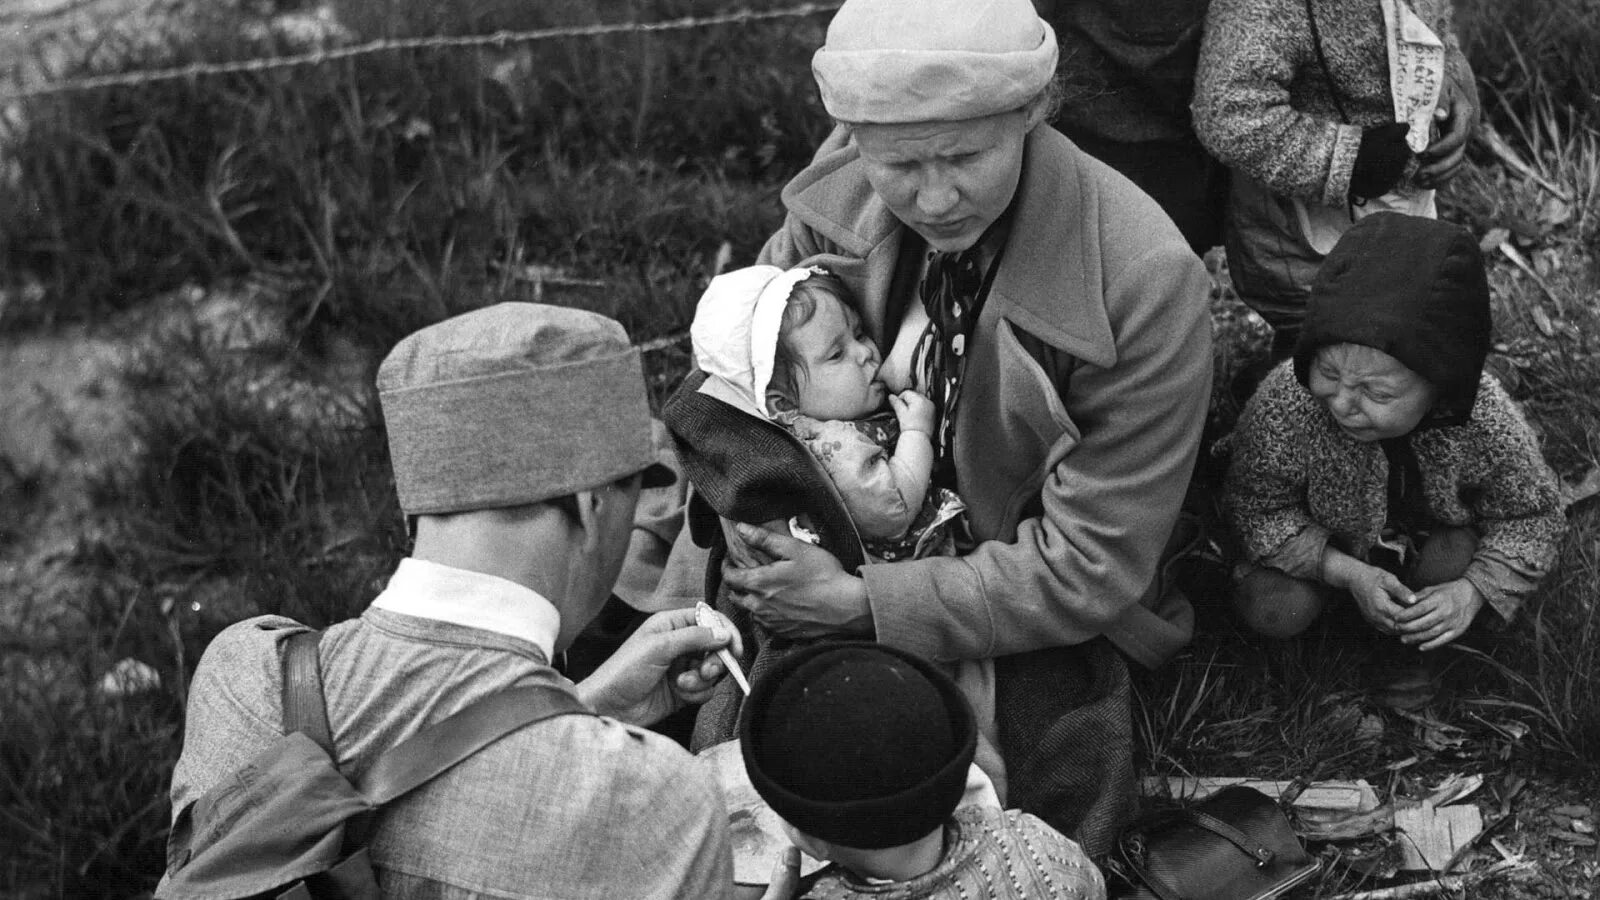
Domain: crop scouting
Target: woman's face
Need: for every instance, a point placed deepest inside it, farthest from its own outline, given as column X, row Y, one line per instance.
column 947, row 181
column 1371, row 395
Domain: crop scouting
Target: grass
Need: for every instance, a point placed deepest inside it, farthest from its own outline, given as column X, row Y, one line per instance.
column 413, row 184
column 261, row 240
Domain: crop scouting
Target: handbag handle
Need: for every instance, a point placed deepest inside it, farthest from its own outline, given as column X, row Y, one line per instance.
column 1263, row 856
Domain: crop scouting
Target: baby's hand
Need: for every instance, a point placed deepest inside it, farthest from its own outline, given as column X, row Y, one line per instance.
column 914, row 411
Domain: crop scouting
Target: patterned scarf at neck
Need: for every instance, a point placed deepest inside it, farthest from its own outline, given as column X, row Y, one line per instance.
column 950, row 293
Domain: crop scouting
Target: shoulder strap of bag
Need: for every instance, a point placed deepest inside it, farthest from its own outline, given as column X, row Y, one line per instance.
column 1322, row 58
column 425, row 755
column 304, row 708
column 432, row 751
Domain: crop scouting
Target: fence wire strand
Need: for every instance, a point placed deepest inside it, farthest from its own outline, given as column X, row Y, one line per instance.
column 323, row 56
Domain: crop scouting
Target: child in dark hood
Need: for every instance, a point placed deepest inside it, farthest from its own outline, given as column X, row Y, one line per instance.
column 1382, row 461
column 863, row 751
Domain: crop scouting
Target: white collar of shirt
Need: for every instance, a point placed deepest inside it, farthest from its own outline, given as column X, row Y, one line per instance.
column 430, row 590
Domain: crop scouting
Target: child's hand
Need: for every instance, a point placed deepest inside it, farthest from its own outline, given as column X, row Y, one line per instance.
column 1441, row 614
column 914, row 411
column 1379, row 595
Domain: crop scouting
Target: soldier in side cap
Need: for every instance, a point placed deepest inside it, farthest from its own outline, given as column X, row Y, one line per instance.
column 520, row 439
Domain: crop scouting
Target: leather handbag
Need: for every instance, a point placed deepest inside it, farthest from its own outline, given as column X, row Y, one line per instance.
column 1234, row 845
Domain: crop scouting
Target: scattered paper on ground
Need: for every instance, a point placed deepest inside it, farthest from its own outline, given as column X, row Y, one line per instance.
column 1430, row 835
column 755, row 832
column 1344, row 796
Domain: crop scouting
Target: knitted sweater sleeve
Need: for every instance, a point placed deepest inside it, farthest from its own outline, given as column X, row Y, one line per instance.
column 1515, row 501
column 1264, row 491
column 1252, row 52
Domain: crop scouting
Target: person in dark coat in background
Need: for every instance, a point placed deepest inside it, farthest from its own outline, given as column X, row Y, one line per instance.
column 1129, row 67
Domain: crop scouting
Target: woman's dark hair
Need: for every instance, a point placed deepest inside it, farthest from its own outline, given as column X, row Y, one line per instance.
column 786, row 367
column 1050, row 98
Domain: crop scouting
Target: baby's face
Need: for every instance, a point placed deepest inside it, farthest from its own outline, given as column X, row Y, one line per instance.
column 838, row 371
column 1371, row 395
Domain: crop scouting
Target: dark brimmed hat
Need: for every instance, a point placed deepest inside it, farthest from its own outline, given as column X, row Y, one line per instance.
column 1413, row 288
column 515, row 403
column 858, row 744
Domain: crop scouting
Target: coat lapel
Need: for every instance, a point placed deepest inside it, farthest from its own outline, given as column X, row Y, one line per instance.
column 1045, row 285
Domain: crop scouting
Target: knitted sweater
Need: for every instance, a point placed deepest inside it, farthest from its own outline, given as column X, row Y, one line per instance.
column 1296, row 481
column 988, row 853
column 1264, row 105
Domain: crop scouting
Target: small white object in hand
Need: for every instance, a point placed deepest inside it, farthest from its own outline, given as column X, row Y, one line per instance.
column 706, row 617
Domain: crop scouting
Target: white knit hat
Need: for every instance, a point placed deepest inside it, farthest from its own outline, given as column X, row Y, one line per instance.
column 735, row 332
column 514, row 403
column 888, row 61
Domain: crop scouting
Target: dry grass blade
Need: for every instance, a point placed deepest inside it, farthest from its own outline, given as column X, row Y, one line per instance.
column 1491, row 138
column 1449, row 884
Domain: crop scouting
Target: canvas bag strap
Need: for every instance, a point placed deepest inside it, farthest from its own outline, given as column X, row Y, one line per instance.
column 433, row 750
column 304, row 708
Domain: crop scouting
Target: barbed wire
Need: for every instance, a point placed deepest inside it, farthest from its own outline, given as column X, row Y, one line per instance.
column 389, row 45
column 25, row 18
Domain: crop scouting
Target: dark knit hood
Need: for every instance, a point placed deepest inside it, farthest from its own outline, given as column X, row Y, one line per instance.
column 1413, row 288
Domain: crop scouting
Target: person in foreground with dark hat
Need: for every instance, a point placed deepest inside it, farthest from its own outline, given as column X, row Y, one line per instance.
column 1382, row 462
column 523, row 499
column 863, row 751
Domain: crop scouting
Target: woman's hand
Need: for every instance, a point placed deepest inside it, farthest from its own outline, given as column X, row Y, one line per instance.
column 802, row 592
column 1378, row 593
column 667, row 663
column 1441, row 614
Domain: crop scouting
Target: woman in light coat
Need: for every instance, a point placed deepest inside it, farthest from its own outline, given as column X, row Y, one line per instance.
column 1072, row 371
